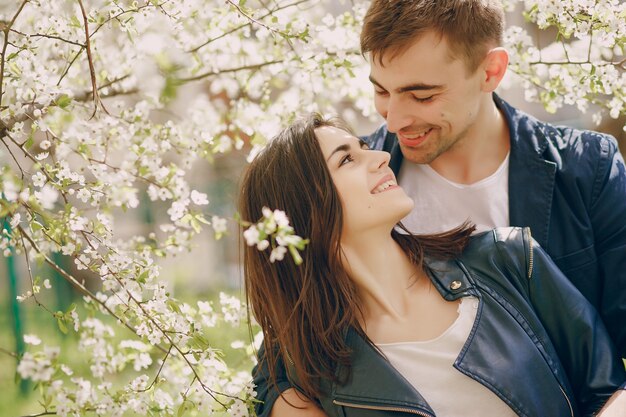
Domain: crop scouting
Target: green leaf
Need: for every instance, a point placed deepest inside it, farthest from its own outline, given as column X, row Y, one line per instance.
column 142, row 277
column 29, row 141
column 174, row 306
column 199, row 341
column 15, row 69
column 64, row 101
column 201, row 219
column 295, row 255
column 61, row 324
column 75, row 22
column 195, row 225
column 36, row 226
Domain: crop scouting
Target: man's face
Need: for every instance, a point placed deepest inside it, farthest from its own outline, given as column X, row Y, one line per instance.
column 429, row 99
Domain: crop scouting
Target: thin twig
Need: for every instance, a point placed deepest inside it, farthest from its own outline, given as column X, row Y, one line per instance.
column 6, row 29
column 8, row 352
column 41, row 35
column 32, row 281
column 13, row 156
column 257, row 21
column 224, row 71
column 67, row 69
column 156, row 377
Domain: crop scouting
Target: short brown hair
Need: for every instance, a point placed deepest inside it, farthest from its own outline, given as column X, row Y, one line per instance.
column 471, row 27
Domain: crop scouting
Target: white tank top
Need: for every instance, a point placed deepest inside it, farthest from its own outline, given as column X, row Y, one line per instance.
column 427, row 365
column 441, row 204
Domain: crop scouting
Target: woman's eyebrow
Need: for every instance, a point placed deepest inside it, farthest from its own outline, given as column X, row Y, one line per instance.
column 341, row 148
column 346, row 147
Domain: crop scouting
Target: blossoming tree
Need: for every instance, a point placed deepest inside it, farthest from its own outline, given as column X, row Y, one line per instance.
column 88, row 130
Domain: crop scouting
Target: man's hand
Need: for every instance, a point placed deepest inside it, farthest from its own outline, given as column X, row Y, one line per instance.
column 300, row 406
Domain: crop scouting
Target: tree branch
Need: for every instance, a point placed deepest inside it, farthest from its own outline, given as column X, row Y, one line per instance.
column 92, row 69
column 76, row 283
column 269, row 13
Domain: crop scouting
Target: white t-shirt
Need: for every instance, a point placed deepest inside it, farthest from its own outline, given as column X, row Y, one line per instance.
column 428, row 366
column 441, row 204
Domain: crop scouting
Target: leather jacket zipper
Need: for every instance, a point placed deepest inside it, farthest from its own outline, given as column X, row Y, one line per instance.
column 569, row 404
column 383, row 408
column 530, row 252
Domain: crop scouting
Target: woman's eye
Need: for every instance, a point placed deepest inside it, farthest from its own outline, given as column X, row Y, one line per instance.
column 380, row 92
column 346, row 159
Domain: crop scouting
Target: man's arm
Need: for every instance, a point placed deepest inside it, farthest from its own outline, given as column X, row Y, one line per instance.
column 608, row 217
column 575, row 328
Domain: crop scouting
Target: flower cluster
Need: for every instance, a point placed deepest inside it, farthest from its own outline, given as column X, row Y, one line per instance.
column 273, row 231
column 586, row 64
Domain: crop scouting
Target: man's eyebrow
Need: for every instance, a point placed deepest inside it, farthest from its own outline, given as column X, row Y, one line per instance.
column 410, row 87
column 345, row 148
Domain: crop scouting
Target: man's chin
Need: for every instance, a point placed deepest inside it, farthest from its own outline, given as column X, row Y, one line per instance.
column 417, row 155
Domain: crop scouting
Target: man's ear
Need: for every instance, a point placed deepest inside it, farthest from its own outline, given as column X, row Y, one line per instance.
column 494, row 67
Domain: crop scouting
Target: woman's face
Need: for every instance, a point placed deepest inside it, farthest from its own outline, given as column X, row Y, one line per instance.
column 370, row 196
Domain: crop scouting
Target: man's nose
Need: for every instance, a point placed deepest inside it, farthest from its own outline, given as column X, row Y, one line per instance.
column 398, row 116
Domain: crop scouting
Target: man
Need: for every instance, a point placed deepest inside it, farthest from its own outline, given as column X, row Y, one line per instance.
column 463, row 153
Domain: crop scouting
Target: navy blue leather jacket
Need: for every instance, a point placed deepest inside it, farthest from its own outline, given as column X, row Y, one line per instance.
column 569, row 187
column 536, row 342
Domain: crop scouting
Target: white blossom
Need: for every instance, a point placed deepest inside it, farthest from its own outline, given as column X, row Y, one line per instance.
column 32, row 339
column 198, row 198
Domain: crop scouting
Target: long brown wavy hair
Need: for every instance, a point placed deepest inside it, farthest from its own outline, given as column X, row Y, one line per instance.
column 305, row 310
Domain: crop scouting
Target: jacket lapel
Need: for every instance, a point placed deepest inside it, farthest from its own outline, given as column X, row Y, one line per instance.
column 374, row 381
column 531, row 177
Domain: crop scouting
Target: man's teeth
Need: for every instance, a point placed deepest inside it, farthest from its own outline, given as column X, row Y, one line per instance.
column 416, row 135
column 382, row 187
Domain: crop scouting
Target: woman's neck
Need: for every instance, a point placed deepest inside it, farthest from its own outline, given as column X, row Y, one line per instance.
column 382, row 272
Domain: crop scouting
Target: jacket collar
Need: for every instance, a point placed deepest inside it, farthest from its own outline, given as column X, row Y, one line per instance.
column 390, row 389
column 531, row 176
column 527, row 168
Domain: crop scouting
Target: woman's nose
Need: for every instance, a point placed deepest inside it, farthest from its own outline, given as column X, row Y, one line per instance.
column 380, row 159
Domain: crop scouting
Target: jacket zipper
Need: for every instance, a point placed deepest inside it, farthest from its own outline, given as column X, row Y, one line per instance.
column 530, row 273
column 382, row 408
column 530, row 253
column 571, row 411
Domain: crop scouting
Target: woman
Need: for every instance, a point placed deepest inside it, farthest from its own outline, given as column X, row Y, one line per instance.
column 379, row 323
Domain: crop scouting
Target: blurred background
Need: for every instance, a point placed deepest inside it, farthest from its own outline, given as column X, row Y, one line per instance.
column 213, row 265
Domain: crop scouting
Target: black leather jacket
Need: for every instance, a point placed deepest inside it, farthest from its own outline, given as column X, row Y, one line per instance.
column 537, row 343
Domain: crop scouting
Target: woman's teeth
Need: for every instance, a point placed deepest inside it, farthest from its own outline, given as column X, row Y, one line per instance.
column 382, row 187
